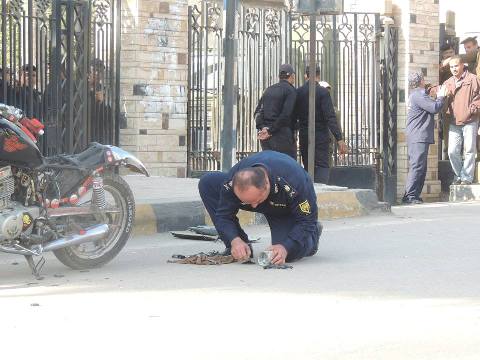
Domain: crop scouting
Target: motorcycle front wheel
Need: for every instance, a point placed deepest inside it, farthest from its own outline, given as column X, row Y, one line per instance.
column 95, row 254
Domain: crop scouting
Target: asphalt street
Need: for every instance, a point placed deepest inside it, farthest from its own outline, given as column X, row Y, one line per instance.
column 400, row 286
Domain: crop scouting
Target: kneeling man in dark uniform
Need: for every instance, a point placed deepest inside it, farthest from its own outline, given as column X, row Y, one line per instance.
column 275, row 185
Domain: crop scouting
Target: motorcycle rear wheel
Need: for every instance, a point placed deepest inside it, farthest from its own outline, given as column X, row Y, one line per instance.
column 92, row 255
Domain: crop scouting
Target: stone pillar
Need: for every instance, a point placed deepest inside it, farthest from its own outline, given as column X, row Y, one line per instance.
column 418, row 50
column 154, row 83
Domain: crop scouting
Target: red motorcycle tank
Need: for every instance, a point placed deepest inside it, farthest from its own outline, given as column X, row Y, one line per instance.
column 16, row 148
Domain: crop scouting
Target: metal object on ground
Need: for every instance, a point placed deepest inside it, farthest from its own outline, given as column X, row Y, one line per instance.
column 281, row 267
column 211, row 258
column 265, row 258
column 190, row 235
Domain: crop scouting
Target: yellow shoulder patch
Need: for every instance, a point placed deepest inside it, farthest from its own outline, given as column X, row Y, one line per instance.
column 305, row 207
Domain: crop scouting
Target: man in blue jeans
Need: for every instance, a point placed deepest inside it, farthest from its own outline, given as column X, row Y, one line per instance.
column 275, row 185
column 463, row 110
column 419, row 131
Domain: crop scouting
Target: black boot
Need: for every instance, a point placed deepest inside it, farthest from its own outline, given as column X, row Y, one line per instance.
column 317, row 239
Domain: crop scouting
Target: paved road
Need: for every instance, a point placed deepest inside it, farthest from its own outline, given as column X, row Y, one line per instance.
column 403, row 286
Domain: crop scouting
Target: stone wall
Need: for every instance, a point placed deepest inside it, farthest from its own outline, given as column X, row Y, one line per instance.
column 418, row 50
column 154, row 83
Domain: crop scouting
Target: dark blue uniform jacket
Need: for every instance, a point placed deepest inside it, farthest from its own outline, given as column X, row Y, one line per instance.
column 291, row 194
column 325, row 117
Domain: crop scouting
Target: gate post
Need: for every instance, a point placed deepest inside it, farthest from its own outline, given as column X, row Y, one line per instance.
column 228, row 132
column 389, row 113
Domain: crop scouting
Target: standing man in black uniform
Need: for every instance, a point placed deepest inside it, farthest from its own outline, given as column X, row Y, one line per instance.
column 275, row 185
column 325, row 121
column 273, row 115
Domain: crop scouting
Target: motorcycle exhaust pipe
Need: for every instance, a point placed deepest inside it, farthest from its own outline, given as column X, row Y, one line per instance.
column 94, row 233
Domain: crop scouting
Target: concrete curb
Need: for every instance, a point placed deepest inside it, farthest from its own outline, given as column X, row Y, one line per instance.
column 333, row 203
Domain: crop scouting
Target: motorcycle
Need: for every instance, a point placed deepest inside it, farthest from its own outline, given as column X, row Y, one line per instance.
column 76, row 206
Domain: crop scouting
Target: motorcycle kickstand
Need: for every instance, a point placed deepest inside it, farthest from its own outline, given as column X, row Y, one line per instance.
column 36, row 268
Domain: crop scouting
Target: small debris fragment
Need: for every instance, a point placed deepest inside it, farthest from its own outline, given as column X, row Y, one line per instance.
column 15, row 263
column 58, row 275
column 282, row 267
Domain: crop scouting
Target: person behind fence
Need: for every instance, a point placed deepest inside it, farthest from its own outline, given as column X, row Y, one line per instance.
column 28, row 89
column 101, row 111
column 275, row 185
column 463, row 109
column 325, row 123
column 420, row 134
column 6, row 88
column 273, row 114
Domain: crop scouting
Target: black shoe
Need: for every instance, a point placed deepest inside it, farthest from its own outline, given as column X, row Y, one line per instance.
column 466, row 182
column 456, row 182
column 412, row 201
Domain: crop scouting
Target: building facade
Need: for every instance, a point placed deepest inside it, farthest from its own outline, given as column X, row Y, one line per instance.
column 155, row 78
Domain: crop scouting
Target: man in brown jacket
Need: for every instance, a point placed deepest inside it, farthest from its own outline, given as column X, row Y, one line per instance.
column 464, row 112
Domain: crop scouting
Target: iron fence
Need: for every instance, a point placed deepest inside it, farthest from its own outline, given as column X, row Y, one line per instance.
column 347, row 52
column 60, row 63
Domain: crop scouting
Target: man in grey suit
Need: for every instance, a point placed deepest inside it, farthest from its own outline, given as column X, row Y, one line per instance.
column 419, row 131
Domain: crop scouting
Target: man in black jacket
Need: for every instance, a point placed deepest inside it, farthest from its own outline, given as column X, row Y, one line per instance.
column 273, row 115
column 325, row 122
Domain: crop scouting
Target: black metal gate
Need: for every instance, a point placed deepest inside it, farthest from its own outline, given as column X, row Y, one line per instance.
column 60, row 63
column 356, row 56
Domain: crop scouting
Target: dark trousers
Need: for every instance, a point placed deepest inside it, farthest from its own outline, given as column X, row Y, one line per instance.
column 322, row 155
column 280, row 225
column 417, row 159
column 281, row 141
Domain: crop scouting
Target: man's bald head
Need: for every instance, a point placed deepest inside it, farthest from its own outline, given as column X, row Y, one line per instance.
column 248, row 177
column 251, row 186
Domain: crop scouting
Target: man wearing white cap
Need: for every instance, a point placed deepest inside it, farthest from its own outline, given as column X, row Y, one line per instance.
column 325, row 123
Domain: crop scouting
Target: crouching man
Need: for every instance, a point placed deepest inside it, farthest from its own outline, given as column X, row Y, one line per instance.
column 275, row 185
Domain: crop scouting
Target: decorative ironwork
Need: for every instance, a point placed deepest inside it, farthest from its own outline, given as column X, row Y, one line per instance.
column 272, row 22
column 251, row 21
column 16, row 8
column 43, row 9
column 102, row 9
column 214, row 16
column 366, row 29
column 389, row 83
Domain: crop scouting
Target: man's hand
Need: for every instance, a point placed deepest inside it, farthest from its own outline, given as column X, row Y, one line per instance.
column 442, row 91
column 342, row 147
column 263, row 134
column 279, row 254
column 240, row 249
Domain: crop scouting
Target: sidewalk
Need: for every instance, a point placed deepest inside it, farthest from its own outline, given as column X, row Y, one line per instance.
column 164, row 204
